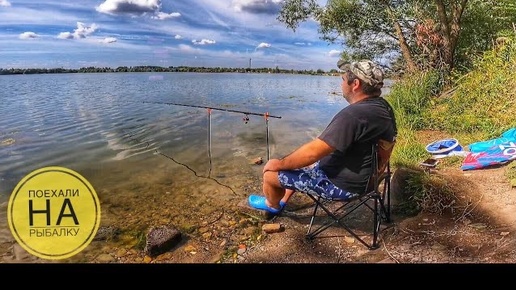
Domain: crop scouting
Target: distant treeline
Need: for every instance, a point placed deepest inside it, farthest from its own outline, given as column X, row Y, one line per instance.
column 157, row 69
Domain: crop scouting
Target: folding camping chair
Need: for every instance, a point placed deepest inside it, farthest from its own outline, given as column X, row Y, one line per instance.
column 376, row 199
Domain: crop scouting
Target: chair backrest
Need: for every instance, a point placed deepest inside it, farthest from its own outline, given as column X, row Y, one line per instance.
column 384, row 150
column 381, row 156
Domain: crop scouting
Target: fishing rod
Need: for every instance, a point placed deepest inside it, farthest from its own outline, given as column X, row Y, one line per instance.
column 246, row 119
column 212, row 108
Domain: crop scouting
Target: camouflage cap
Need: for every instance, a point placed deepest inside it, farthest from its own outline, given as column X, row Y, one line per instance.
column 365, row 70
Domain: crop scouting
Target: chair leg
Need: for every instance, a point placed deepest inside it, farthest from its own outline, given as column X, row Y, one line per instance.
column 387, row 198
column 318, row 205
column 312, row 219
column 378, row 208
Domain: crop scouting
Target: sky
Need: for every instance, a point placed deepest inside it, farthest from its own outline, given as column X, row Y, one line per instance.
column 198, row 33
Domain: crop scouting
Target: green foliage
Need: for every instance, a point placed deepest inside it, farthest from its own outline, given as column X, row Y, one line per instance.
column 484, row 100
column 364, row 28
column 407, row 150
column 141, row 240
column 452, row 161
column 409, row 207
column 294, row 12
column 480, row 29
column 368, row 33
column 415, row 185
column 411, row 98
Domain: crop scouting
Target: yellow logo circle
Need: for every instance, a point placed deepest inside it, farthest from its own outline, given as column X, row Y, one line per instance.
column 53, row 213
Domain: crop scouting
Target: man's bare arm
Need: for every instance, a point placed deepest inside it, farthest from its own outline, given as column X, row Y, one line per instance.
column 305, row 155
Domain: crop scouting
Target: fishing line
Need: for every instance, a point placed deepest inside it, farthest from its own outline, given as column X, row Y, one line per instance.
column 209, row 140
column 209, row 109
column 132, row 137
column 195, row 173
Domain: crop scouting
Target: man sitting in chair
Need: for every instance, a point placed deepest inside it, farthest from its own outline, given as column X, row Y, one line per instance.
column 337, row 164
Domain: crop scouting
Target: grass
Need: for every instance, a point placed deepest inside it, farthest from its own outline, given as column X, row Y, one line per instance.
column 484, row 99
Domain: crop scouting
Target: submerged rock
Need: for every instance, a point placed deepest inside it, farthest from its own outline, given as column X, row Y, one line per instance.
column 257, row 161
column 161, row 239
column 106, row 233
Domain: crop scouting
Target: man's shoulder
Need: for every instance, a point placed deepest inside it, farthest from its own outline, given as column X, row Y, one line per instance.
column 366, row 104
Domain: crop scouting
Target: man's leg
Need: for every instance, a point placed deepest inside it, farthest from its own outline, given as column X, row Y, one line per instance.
column 273, row 191
column 288, row 194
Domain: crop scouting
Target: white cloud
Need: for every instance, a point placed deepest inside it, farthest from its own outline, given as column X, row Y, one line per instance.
column 257, row 6
column 28, row 35
column 162, row 15
column 203, row 41
column 263, row 45
column 187, row 49
column 334, row 53
column 5, row 3
column 178, row 36
column 109, row 40
column 65, row 35
column 136, row 7
column 81, row 32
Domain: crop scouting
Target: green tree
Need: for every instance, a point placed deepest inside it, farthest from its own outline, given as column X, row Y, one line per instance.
column 483, row 22
column 410, row 34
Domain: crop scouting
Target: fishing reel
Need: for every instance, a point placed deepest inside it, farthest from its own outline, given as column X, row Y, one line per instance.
column 246, row 119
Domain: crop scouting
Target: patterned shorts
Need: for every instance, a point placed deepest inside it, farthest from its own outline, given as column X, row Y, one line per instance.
column 314, row 181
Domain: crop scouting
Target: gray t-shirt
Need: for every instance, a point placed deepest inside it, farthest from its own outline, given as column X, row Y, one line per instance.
column 352, row 132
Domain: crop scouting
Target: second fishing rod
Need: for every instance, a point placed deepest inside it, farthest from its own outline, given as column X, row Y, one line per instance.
column 266, row 116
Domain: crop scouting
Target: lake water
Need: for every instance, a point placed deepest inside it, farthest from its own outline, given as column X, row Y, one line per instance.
column 82, row 121
column 148, row 160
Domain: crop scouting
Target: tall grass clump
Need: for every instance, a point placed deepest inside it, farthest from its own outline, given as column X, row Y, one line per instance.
column 484, row 100
column 408, row 151
column 410, row 98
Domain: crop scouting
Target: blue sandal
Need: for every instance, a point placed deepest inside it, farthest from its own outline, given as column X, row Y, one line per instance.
column 258, row 202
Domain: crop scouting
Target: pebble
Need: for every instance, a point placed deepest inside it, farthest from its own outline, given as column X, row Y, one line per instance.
column 105, row 258
column 272, row 228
